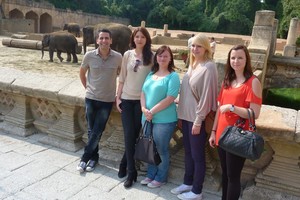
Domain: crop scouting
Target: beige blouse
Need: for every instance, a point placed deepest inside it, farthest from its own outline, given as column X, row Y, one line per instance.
column 133, row 81
column 203, row 83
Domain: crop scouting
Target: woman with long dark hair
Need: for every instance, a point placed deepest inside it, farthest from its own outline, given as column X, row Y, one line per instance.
column 136, row 65
column 240, row 91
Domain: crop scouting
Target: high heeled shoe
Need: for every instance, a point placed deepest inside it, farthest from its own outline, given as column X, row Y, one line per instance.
column 122, row 171
column 132, row 177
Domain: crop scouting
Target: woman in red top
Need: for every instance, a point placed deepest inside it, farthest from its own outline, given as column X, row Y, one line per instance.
column 240, row 90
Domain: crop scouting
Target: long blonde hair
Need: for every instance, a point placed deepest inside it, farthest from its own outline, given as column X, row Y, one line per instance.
column 202, row 40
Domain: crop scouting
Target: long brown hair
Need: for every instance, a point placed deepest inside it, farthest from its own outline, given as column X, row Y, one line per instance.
column 229, row 71
column 147, row 53
column 159, row 51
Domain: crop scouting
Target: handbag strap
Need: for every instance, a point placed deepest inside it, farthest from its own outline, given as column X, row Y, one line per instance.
column 252, row 125
column 144, row 128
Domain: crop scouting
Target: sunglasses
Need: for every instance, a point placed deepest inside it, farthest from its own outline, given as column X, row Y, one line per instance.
column 137, row 63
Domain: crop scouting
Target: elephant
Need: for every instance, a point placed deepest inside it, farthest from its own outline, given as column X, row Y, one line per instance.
column 60, row 41
column 120, row 36
column 73, row 28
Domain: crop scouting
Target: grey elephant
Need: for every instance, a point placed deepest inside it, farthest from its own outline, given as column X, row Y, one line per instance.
column 120, row 36
column 73, row 28
column 60, row 41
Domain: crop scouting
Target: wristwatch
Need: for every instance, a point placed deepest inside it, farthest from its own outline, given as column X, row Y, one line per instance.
column 231, row 108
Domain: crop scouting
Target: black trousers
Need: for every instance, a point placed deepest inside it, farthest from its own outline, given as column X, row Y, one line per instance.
column 131, row 120
column 232, row 166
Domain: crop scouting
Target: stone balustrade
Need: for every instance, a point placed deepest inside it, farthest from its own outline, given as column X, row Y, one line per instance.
column 39, row 104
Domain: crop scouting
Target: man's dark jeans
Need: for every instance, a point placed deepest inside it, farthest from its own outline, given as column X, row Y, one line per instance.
column 131, row 120
column 97, row 114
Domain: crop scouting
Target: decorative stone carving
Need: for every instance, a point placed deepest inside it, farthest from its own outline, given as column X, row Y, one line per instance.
column 19, row 120
column 7, row 103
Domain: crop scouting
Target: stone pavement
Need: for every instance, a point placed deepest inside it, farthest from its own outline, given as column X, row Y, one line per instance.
column 33, row 171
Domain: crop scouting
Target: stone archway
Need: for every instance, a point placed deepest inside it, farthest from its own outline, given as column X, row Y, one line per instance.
column 33, row 16
column 46, row 23
column 16, row 14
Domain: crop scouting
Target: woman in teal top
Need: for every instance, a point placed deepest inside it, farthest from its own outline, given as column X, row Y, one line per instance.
column 159, row 91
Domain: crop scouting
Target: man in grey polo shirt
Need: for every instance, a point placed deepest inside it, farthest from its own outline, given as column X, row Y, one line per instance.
column 98, row 73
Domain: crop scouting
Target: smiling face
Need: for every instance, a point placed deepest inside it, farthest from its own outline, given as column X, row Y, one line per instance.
column 198, row 50
column 104, row 40
column 140, row 39
column 238, row 60
column 164, row 59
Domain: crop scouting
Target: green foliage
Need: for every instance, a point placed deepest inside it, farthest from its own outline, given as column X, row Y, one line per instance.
column 298, row 42
column 182, row 52
column 284, row 97
column 225, row 16
column 291, row 9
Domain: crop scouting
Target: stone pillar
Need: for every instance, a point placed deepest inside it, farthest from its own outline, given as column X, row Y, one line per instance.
column 290, row 47
column 154, row 33
column 165, row 28
column 298, row 28
column 65, row 133
column 143, row 24
column 274, row 38
column 112, row 140
column 38, row 24
column 166, row 31
column 260, row 43
column 292, row 36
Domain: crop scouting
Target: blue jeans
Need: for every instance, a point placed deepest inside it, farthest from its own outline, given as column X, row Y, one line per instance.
column 131, row 120
column 194, row 160
column 162, row 134
column 97, row 113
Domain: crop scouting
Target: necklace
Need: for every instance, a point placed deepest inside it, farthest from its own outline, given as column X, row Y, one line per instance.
column 236, row 83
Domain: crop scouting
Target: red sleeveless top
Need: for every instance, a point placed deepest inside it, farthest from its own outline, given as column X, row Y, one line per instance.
column 241, row 96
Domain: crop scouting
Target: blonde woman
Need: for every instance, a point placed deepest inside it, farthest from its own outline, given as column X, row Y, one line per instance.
column 198, row 96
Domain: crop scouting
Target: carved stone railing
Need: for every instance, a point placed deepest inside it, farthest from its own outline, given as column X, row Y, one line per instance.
column 34, row 103
column 282, row 72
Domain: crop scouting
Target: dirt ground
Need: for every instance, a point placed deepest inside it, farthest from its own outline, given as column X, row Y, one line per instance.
column 30, row 60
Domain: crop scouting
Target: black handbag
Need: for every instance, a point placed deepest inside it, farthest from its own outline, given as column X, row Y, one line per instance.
column 145, row 148
column 244, row 143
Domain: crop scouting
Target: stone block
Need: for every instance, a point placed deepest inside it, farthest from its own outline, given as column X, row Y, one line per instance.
column 289, row 51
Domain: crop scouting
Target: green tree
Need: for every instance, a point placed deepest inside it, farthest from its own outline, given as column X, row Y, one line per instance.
column 225, row 16
column 291, row 9
column 236, row 16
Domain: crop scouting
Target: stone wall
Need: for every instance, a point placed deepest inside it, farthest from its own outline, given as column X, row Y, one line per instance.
column 17, row 25
column 35, row 103
column 282, row 72
column 47, row 18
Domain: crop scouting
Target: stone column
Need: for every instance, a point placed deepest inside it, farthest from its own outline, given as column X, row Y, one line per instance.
column 166, row 30
column 143, row 24
column 274, row 38
column 154, row 33
column 65, row 133
column 260, row 43
column 38, row 24
column 290, row 47
column 298, row 28
column 292, row 36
